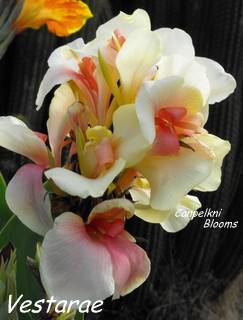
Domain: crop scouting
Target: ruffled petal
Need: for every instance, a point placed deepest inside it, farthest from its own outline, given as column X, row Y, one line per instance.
column 193, row 73
column 27, row 198
column 183, row 214
column 74, row 266
column 167, row 92
column 77, row 185
column 222, row 84
column 176, row 41
column 172, row 177
column 132, row 145
column 220, row 148
column 17, row 137
column 123, row 22
column 134, row 68
column 143, row 210
column 171, row 220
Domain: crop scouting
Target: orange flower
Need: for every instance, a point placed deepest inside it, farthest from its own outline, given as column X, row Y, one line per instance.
column 62, row 17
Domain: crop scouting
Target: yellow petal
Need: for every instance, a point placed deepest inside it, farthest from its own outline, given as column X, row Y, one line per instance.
column 98, row 133
column 63, row 17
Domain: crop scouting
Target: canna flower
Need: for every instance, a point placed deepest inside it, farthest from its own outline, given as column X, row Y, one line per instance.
column 102, row 153
column 115, row 47
column 170, row 89
column 80, row 260
column 62, row 17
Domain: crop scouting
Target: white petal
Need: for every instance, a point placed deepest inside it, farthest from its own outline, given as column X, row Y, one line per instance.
column 123, row 22
column 176, row 41
column 222, row 84
column 73, row 266
column 220, row 149
column 17, row 137
column 134, row 67
column 27, row 198
column 77, row 185
column 193, row 73
column 132, row 146
column 55, row 75
column 180, row 218
column 172, row 177
column 143, row 210
column 63, row 53
column 126, row 23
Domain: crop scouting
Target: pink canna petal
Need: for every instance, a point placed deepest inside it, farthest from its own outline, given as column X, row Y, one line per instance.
column 27, row 198
column 95, row 260
column 104, row 154
column 166, row 141
column 74, row 265
column 131, row 265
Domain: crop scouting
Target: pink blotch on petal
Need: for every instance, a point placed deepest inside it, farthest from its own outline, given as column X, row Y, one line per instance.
column 104, row 155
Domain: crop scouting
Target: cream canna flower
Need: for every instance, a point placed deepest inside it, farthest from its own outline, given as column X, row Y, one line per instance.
column 183, row 156
column 85, row 261
column 102, row 154
column 115, row 47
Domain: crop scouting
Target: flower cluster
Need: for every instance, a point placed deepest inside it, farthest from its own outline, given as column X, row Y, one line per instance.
column 125, row 137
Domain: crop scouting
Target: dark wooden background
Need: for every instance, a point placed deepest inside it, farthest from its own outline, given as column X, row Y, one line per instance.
column 193, row 267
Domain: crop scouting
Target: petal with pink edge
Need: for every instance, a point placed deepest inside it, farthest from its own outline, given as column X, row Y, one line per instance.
column 17, row 137
column 74, row 266
column 27, row 198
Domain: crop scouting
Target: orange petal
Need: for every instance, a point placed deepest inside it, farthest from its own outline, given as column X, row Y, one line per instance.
column 63, row 17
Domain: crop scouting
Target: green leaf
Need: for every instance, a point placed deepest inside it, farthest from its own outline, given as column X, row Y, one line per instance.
column 24, row 240
column 79, row 316
column 5, row 213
